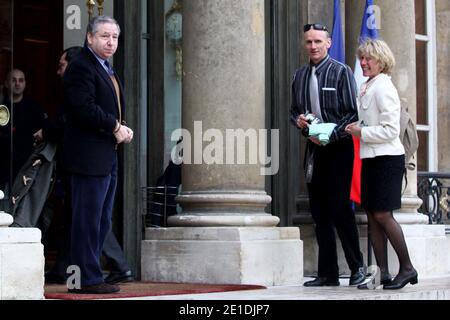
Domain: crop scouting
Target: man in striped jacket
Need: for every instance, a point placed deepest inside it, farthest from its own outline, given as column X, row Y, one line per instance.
column 325, row 90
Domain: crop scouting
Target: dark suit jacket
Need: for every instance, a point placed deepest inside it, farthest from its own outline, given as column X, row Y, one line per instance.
column 91, row 111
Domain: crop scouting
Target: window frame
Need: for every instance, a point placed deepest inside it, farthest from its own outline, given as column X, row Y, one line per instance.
column 431, row 127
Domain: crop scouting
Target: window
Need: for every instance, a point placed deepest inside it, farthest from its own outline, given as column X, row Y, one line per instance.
column 426, row 89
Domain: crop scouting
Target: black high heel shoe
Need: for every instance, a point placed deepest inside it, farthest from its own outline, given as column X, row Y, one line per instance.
column 385, row 280
column 402, row 280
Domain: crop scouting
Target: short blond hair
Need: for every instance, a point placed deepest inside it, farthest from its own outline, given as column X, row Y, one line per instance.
column 380, row 51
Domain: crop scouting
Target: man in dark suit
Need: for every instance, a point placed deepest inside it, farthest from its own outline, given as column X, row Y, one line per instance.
column 27, row 117
column 94, row 109
column 54, row 132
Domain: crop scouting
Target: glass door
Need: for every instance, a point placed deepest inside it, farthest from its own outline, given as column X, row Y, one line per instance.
column 30, row 48
column 6, row 62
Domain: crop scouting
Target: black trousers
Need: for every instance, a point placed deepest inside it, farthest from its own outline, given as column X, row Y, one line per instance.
column 112, row 250
column 329, row 199
column 92, row 206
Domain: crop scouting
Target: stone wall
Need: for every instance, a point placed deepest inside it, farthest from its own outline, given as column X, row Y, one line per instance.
column 443, row 82
column 21, row 262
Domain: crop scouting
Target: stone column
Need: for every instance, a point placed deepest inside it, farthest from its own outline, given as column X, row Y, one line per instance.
column 353, row 18
column 223, row 235
column 223, row 90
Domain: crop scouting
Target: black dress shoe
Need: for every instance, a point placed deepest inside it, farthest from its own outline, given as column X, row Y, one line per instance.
column 117, row 277
column 402, row 280
column 322, row 282
column 383, row 281
column 101, row 288
column 357, row 277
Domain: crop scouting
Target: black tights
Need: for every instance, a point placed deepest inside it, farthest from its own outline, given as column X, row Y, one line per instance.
column 383, row 226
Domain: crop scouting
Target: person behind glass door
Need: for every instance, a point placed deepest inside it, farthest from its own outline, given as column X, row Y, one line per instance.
column 27, row 117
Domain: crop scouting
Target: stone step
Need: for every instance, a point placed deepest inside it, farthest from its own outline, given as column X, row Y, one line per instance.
column 426, row 289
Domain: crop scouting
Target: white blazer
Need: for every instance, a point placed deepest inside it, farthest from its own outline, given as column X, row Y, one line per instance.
column 379, row 117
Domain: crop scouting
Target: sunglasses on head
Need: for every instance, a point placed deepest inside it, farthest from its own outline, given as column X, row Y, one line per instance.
column 315, row 26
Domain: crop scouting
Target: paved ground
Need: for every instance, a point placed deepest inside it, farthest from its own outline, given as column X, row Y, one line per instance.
column 426, row 289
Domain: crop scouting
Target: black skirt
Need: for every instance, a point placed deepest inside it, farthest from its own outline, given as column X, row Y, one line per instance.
column 381, row 183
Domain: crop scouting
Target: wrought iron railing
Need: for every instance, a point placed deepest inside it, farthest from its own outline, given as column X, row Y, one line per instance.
column 434, row 190
column 158, row 204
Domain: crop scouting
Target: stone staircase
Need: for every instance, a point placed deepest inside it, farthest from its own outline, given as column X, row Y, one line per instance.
column 426, row 289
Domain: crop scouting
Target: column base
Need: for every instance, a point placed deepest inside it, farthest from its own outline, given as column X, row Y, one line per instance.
column 427, row 246
column 260, row 220
column 242, row 208
column 21, row 264
column 228, row 255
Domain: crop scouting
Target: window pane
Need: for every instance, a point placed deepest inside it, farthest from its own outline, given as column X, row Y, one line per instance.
column 421, row 78
column 6, row 23
column 420, row 7
column 422, row 152
column 5, row 41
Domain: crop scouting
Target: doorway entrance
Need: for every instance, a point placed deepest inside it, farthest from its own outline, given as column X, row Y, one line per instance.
column 31, row 40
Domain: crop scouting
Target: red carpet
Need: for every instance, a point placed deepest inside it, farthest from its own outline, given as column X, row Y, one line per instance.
column 146, row 289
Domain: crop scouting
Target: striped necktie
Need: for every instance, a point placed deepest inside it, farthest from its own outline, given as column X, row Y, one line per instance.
column 314, row 94
column 109, row 68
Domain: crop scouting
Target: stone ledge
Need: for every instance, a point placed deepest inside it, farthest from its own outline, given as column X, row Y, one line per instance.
column 222, row 234
column 442, row 294
column 437, row 288
column 21, row 271
column 411, row 230
column 263, row 256
column 20, row 235
column 427, row 246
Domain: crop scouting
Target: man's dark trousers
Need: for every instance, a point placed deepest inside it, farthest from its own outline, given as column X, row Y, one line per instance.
column 329, row 198
column 92, row 204
column 112, row 250
column 115, row 259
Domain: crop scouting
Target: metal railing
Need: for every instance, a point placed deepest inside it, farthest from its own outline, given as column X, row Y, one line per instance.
column 158, row 204
column 434, row 190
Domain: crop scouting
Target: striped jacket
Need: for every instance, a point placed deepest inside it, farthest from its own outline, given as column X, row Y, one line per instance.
column 337, row 92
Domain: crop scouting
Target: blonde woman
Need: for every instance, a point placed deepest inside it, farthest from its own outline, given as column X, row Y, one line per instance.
column 382, row 155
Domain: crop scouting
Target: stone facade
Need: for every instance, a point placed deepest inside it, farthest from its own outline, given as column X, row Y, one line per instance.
column 265, row 256
column 443, row 82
